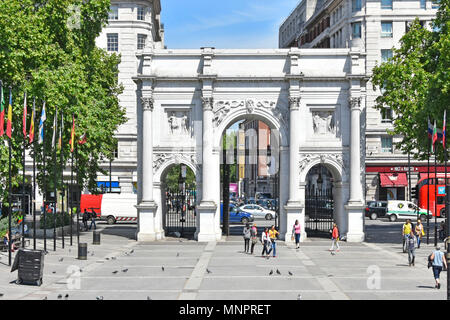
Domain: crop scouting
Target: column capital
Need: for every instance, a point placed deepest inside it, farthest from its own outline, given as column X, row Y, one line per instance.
column 354, row 103
column 148, row 103
column 294, row 103
column 207, row 103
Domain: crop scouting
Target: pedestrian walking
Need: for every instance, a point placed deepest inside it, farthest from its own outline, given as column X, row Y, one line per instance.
column 411, row 245
column 335, row 238
column 438, row 261
column 253, row 237
column 419, row 232
column 296, row 231
column 265, row 242
column 406, row 232
column 93, row 217
column 246, row 233
column 273, row 235
column 85, row 219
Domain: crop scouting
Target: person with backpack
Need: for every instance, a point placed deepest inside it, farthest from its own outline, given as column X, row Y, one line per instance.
column 246, row 233
column 335, row 238
column 93, row 216
column 253, row 237
column 438, row 262
column 296, row 231
column 406, row 232
column 265, row 242
column 85, row 219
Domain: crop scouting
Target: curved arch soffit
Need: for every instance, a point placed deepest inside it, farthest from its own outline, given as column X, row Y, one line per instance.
column 333, row 166
column 166, row 166
column 257, row 114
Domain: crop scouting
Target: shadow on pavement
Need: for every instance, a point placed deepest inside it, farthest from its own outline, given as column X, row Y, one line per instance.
column 124, row 231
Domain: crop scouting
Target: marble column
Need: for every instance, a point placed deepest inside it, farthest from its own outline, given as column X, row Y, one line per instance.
column 294, row 208
column 207, row 208
column 147, row 207
column 355, row 205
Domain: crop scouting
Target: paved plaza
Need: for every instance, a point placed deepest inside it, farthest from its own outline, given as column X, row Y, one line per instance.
column 178, row 269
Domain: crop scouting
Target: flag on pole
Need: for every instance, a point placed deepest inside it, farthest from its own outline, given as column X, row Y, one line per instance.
column 61, row 131
column 72, row 134
column 2, row 114
column 444, row 129
column 9, row 120
column 31, row 135
column 41, row 125
column 435, row 137
column 55, row 128
column 83, row 139
column 24, row 119
column 430, row 129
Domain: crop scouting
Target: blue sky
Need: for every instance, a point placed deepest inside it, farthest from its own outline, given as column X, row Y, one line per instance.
column 252, row 24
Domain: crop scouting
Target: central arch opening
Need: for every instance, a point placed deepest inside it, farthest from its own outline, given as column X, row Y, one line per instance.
column 249, row 175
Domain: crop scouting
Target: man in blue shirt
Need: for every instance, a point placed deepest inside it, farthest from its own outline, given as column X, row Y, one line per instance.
column 439, row 261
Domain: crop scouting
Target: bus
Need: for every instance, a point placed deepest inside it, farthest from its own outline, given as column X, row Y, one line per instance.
column 422, row 189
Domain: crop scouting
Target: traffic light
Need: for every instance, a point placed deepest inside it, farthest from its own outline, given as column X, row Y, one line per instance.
column 414, row 193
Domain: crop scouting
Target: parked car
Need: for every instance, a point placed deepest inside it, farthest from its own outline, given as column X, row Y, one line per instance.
column 398, row 209
column 376, row 209
column 269, row 204
column 236, row 216
column 258, row 211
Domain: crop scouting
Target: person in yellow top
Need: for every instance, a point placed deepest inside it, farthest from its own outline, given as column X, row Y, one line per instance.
column 273, row 233
column 406, row 232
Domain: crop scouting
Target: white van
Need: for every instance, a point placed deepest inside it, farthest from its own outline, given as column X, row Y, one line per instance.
column 400, row 209
column 111, row 207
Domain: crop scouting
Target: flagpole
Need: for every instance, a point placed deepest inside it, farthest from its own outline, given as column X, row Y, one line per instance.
column 78, row 185
column 71, row 200
column 34, row 178
column 435, row 198
column 55, row 180
column 447, row 204
column 44, row 187
column 23, row 175
column 10, row 190
column 62, row 179
column 428, row 193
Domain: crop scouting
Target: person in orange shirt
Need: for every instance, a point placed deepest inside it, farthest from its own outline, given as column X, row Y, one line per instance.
column 335, row 238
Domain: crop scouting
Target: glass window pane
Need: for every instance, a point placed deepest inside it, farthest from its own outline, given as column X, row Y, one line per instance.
column 386, row 4
column 423, row 4
column 113, row 13
column 356, row 5
column 386, row 29
column 356, row 30
column 141, row 13
column 141, row 41
column 386, row 144
column 113, row 42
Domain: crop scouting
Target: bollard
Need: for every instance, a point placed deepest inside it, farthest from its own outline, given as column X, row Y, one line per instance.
column 82, row 251
column 96, row 237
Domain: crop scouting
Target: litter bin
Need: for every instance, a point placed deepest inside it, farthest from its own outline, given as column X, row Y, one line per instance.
column 96, row 237
column 30, row 266
column 82, row 251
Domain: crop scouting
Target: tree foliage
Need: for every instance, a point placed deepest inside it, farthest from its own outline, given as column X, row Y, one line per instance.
column 47, row 48
column 416, row 83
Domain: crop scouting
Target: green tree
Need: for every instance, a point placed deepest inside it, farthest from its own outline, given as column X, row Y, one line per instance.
column 416, row 81
column 47, row 48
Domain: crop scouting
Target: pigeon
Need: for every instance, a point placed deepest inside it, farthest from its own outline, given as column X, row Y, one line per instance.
column 45, row 298
column 59, row 296
column 115, row 271
column 290, row 273
column 148, row 298
column 162, row 268
column 131, row 251
column 1, row 294
column 61, row 259
column 106, row 258
column 299, row 297
column 66, row 296
column 92, row 254
column 124, row 270
column 53, row 272
column 99, row 298
column 208, row 270
column 114, row 258
column 271, row 272
column 278, row 272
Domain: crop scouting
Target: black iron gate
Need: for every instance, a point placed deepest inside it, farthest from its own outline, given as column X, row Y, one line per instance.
column 179, row 217
column 319, row 207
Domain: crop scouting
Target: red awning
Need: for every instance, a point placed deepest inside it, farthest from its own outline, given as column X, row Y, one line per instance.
column 393, row 180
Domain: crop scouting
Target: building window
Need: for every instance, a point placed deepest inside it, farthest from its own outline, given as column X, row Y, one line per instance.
column 386, row 4
column 386, row 29
column 113, row 13
column 435, row 4
column 113, row 42
column 356, row 30
column 386, row 144
column 141, row 13
column 356, row 5
column 386, row 115
column 141, row 41
column 386, row 54
column 423, row 4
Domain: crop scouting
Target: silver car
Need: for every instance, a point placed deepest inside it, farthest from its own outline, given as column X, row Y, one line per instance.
column 258, row 212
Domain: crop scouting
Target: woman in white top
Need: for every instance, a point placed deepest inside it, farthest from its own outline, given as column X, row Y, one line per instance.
column 265, row 242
